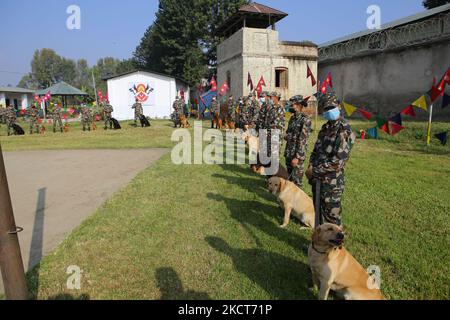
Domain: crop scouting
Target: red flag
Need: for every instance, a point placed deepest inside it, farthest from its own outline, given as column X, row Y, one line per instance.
column 324, row 88
column 262, row 82
column 435, row 93
column 250, row 82
column 396, row 128
column 366, row 114
column 409, row 111
column 224, row 89
column 213, row 84
column 310, row 74
column 328, row 80
column 385, row 128
column 447, row 76
column 259, row 89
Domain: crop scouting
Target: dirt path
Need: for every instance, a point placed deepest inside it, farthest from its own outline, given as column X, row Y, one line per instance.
column 54, row 191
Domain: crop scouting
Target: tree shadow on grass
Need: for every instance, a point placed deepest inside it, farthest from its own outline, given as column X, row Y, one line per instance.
column 171, row 287
column 281, row 277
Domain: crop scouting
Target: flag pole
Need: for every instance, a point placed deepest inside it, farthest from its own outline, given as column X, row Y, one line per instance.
column 429, row 126
column 95, row 88
column 11, row 264
column 317, row 107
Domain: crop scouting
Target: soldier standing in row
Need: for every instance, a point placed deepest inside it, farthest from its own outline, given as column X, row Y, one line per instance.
column 57, row 118
column 33, row 118
column 328, row 160
column 214, row 110
column 231, row 109
column 107, row 113
column 245, row 116
column 255, row 107
column 297, row 136
column 10, row 117
column 138, row 111
column 177, row 111
column 86, row 118
column 276, row 121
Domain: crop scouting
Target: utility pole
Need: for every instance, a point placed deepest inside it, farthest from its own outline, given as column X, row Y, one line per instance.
column 95, row 89
column 11, row 264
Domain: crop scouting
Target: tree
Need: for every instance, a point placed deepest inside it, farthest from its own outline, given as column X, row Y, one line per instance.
column 430, row 4
column 181, row 41
column 82, row 74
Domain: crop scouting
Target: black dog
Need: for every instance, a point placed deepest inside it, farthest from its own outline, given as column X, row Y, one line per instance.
column 144, row 122
column 116, row 124
column 18, row 129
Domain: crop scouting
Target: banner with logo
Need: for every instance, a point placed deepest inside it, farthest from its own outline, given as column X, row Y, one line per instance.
column 143, row 91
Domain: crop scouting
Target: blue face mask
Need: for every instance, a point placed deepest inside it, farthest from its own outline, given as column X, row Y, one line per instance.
column 332, row 115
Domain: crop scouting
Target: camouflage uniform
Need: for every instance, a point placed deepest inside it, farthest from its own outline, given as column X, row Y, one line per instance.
column 297, row 135
column 138, row 112
column 276, row 120
column 33, row 115
column 2, row 114
column 107, row 112
column 56, row 117
column 331, row 153
column 86, row 118
column 214, row 109
column 177, row 112
column 231, row 109
column 10, row 116
column 245, row 114
column 255, row 108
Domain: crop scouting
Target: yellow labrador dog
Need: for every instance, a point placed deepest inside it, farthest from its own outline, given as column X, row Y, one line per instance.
column 293, row 200
column 334, row 268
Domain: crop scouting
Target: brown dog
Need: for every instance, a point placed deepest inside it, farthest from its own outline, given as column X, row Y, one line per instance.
column 218, row 123
column 334, row 268
column 293, row 200
column 282, row 172
column 94, row 126
column 66, row 127
column 42, row 130
column 184, row 122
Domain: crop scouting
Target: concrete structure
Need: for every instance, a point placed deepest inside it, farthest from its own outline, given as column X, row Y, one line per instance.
column 386, row 70
column 20, row 98
column 250, row 47
column 155, row 91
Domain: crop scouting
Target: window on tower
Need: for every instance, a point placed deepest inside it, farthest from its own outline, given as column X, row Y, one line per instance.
column 281, row 78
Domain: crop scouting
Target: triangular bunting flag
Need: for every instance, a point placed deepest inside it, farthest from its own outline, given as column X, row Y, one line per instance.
column 373, row 132
column 409, row 111
column 421, row 103
column 365, row 114
column 396, row 128
column 250, row 82
column 442, row 137
column 349, row 109
column 434, row 93
column 445, row 101
column 328, row 80
column 397, row 119
column 385, row 128
column 380, row 122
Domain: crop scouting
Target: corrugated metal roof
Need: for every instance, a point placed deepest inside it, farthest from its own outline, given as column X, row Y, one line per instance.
column 407, row 20
column 62, row 89
column 255, row 7
column 15, row 90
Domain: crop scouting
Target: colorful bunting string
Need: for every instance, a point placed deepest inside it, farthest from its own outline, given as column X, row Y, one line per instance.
column 396, row 128
column 365, row 114
column 442, row 137
column 421, row 103
column 397, row 119
column 373, row 132
column 349, row 109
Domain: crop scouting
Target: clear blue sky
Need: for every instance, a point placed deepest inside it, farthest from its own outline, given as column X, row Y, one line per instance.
column 115, row 27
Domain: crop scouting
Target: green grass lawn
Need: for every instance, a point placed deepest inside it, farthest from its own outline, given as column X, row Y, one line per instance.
column 211, row 231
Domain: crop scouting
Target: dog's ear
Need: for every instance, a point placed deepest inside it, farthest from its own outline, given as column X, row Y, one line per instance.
column 282, row 184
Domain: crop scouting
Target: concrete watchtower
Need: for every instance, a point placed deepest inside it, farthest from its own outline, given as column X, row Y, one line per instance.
column 251, row 45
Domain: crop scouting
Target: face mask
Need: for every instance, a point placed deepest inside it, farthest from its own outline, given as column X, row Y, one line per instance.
column 332, row 115
column 291, row 110
column 262, row 100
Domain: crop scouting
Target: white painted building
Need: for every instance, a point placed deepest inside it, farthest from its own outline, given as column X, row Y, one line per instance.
column 156, row 92
column 20, row 98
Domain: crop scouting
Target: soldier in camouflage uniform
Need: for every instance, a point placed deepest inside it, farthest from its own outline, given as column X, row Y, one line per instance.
column 245, row 114
column 2, row 114
column 107, row 112
column 10, row 116
column 86, row 118
column 327, row 163
column 177, row 112
column 57, row 118
column 33, row 117
column 255, row 107
column 297, row 136
column 231, row 109
column 138, row 111
column 276, row 120
column 214, row 109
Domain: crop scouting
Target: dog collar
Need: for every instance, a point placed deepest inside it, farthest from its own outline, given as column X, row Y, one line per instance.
column 319, row 252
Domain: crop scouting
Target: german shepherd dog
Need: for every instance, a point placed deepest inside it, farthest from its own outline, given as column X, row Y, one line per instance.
column 184, row 122
column 18, row 129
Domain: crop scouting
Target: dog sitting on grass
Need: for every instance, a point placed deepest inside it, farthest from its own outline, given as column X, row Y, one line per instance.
column 334, row 268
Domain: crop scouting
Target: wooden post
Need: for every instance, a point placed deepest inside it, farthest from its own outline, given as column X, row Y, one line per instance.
column 11, row 263
column 429, row 126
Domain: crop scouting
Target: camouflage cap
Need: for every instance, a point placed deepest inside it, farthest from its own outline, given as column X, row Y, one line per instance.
column 275, row 94
column 298, row 99
column 329, row 101
column 265, row 94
